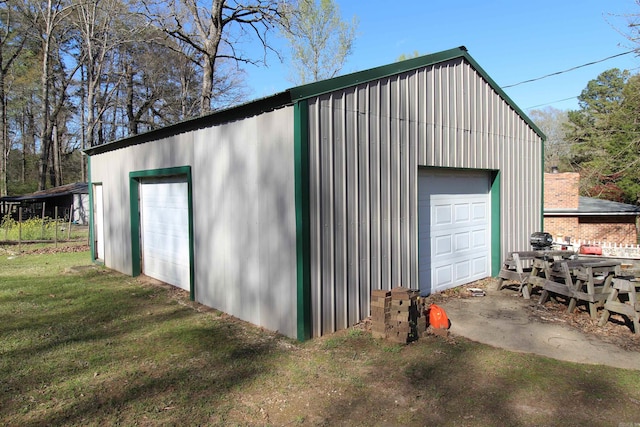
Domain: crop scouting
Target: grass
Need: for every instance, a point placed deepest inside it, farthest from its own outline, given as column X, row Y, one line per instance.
column 83, row 345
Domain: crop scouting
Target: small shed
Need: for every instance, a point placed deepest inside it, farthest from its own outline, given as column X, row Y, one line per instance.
column 71, row 201
column 287, row 211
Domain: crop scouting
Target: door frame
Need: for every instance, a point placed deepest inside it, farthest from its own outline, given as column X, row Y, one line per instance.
column 495, row 188
column 135, row 179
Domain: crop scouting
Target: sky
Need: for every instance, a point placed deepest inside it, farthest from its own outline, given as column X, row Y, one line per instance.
column 512, row 40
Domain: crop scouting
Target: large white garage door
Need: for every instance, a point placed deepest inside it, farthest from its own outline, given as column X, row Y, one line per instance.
column 164, row 226
column 454, row 220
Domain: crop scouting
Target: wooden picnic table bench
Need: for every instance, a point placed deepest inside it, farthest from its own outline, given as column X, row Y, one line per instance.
column 516, row 267
column 580, row 280
column 539, row 264
column 630, row 307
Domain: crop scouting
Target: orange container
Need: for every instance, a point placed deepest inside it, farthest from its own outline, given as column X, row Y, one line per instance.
column 438, row 317
column 590, row 250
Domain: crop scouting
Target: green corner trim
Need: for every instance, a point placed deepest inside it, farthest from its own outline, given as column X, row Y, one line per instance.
column 496, row 214
column 134, row 203
column 303, row 233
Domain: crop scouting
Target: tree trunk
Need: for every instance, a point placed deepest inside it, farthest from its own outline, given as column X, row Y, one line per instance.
column 207, row 86
column 4, row 139
column 45, row 132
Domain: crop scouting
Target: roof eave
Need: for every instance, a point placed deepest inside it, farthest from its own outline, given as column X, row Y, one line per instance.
column 237, row 112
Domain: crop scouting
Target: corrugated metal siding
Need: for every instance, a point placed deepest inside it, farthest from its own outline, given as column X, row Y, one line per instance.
column 366, row 144
column 243, row 207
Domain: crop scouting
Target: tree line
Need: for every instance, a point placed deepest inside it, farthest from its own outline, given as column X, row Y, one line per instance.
column 600, row 139
column 79, row 73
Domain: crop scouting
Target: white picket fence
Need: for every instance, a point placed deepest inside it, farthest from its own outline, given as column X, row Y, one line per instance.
column 608, row 249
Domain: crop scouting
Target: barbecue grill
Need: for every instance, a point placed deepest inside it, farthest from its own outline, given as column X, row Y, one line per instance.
column 541, row 241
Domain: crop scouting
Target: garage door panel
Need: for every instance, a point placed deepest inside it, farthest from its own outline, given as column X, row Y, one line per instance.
column 454, row 228
column 479, row 211
column 462, row 241
column 165, row 231
column 442, row 245
column 442, row 215
column 463, row 270
column 462, row 213
column 479, row 239
column 479, row 266
column 443, row 275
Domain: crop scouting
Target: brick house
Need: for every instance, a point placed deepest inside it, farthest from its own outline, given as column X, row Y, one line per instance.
column 569, row 215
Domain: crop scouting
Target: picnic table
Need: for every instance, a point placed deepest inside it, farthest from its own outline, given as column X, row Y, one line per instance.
column 523, row 266
column 579, row 280
column 629, row 289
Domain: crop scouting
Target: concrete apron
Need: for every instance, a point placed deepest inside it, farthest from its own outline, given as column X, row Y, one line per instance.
column 501, row 319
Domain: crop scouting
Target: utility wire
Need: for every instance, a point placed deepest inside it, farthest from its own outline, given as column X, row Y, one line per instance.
column 552, row 102
column 570, row 69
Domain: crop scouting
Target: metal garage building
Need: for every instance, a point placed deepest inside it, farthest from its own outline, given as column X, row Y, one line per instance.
column 287, row 211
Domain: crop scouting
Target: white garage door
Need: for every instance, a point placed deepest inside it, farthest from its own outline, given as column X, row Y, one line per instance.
column 454, row 220
column 98, row 222
column 164, row 226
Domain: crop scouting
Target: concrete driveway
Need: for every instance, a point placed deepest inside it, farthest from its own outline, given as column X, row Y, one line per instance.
column 501, row 319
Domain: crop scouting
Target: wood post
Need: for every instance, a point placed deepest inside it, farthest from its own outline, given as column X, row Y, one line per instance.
column 55, row 210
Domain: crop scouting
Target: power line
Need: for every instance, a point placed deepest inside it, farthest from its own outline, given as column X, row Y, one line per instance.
column 570, row 69
column 552, row 102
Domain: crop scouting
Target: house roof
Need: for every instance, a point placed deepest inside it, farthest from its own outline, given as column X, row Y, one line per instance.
column 589, row 206
column 63, row 190
column 299, row 93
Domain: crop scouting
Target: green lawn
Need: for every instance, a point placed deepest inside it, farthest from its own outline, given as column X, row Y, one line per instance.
column 82, row 345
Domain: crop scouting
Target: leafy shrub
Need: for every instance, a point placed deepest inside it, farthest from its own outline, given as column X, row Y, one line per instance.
column 32, row 229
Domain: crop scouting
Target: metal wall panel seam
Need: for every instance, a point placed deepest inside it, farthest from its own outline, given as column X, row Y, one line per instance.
column 315, row 213
column 365, row 223
column 328, row 207
column 395, row 160
column 375, row 169
column 341, row 212
column 353, row 197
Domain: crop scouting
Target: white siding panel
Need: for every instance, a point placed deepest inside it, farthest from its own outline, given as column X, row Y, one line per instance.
column 243, row 212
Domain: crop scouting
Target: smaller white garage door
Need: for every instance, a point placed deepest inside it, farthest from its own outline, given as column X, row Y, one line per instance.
column 454, row 220
column 164, row 227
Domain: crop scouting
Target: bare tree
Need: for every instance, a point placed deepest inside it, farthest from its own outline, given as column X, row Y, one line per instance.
column 49, row 20
column 215, row 31
column 319, row 40
column 553, row 123
column 12, row 40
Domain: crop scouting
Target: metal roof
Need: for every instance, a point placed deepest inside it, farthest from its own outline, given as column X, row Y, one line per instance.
column 589, row 206
column 298, row 93
column 63, row 190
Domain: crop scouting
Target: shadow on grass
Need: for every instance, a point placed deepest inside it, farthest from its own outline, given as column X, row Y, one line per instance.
column 84, row 350
column 434, row 383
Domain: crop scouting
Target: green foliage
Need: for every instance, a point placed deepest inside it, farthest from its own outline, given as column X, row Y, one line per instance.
column 605, row 137
column 31, row 229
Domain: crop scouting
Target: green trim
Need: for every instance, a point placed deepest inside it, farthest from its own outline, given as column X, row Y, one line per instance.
column 134, row 211
column 134, row 203
column 303, row 232
column 349, row 80
column 496, row 215
column 311, row 90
